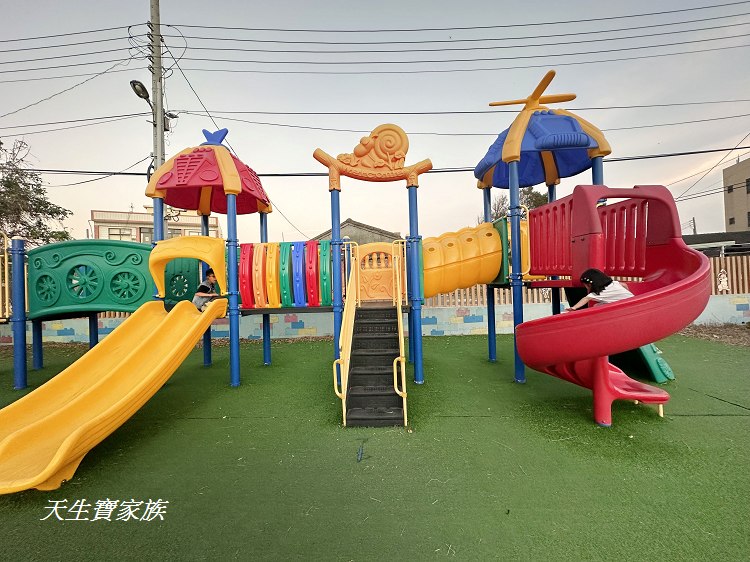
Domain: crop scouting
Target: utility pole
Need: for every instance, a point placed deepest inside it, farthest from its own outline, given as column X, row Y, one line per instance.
column 695, row 228
column 157, row 87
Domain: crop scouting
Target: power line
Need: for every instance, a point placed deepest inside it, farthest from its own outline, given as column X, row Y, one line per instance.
column 451, row 134
column 473, row 48
column 104, row 176
column 80, row 75
column 63, row 34
column 476, row 59
column 700, row 172
column 78, row 120
column 65, row 90
column 501, row 26
column 177, row 64
column 339, row 42
column 462, row 70
column 123, row 118
column 74, row 44
column 53, row 57
column 463, row 112
column 434, row 170
column 714, row 166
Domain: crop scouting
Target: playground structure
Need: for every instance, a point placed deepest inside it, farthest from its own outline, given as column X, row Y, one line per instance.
column 637, row 236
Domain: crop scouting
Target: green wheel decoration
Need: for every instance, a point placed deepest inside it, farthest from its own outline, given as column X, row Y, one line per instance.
column 47, row 289
column 127, row 286
column 178, row 286
column 84, row 282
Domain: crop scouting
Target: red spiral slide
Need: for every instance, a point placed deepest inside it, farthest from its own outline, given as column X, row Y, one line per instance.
column 639, row 237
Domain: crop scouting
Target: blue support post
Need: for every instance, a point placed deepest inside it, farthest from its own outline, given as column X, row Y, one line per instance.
column 491, row 335
column 158, row 219
column 158, row 229
column 516, row 283
column 416, row 285
column 204, row 266
column 266, row 317
column 597, row 171
column 18, row 316
column 338, row 303
column 410, row 312
column 555, row 291
column 36, row 345
column 233, row 289
column 93, row 329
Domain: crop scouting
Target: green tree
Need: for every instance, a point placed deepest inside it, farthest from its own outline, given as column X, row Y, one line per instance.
column 528, row 198
column 24, row 208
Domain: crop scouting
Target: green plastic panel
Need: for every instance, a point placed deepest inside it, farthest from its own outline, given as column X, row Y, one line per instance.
column 325, row 273
column 285, row 274
column 502, row 279
column 83, row 276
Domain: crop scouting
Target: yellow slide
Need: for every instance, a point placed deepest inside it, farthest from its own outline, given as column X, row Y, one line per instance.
column 45, row 435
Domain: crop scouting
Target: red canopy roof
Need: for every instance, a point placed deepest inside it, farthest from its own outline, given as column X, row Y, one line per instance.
column 200, row 178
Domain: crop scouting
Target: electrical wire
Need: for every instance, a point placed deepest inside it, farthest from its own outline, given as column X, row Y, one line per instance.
column 714, row 166
column 61, row 45
column 339, row 41
column 500, row 26
column 76, row 120
column 463, row 70
column 125, row 61
column 434, row 170
column 177, row 64
column 79, row 75
column 63, row 34
column 452, row 134
column 109, row 175
column 26, row 134
column 475, row 59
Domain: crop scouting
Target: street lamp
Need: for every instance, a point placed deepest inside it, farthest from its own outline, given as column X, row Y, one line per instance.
column 141, row 91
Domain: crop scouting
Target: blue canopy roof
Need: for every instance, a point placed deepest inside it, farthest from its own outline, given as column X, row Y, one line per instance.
column 560, row 135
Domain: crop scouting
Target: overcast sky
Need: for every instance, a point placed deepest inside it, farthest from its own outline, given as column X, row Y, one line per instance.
column 483, row 62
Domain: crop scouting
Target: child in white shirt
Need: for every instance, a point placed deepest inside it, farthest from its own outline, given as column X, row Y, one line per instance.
column 601, row 288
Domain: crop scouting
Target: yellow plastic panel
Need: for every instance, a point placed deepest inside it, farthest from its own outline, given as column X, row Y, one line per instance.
column 205, row 248
column 259, row 275
column 525, row 252
column 273, row 290
column 457, row 260
column 45, row 435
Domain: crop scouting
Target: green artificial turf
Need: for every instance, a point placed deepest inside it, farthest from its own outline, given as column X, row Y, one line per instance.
column 488, row 469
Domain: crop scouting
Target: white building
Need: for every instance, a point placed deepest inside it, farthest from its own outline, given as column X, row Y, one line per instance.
column 139, row 226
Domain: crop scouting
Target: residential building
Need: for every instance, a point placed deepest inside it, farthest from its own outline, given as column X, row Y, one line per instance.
column 715, row 244
column 361, row 233
column 737, row 196
column 139, row 226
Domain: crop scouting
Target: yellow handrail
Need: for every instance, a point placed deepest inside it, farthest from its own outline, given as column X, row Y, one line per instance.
column 4, row 279
column 398, row 253
column 351, row 263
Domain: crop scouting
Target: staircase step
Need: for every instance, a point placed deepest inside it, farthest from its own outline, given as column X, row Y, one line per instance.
column 375, row 417
column 371, row 376
column 388, row 313
column 373, row 357
column 375, row 341
column 373, row 396
column 375, row 326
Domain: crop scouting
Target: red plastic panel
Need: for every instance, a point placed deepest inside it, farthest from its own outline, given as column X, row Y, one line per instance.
column 311, row 273
column 624, row 226
column 246, row 276
column 549, row 235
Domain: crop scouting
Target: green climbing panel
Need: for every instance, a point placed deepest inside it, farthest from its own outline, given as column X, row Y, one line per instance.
column 325, row 273
column 78, row 277
column 285, row 274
